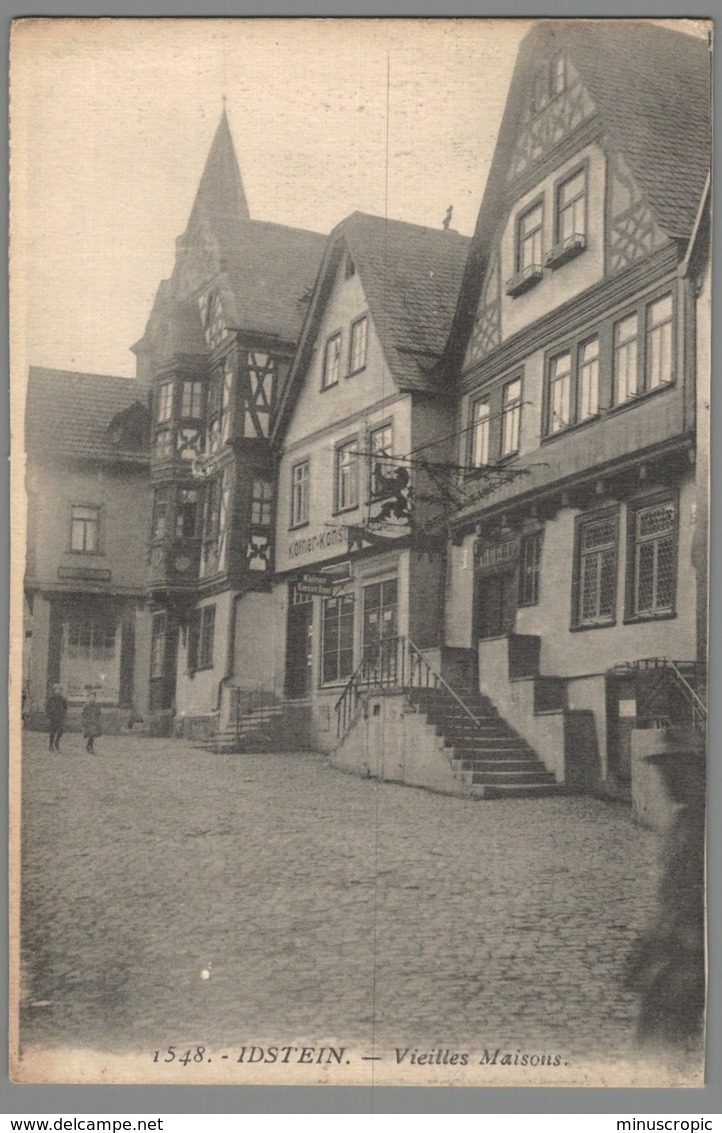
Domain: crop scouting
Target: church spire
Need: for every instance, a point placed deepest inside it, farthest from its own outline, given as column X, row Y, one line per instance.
column 220, row 201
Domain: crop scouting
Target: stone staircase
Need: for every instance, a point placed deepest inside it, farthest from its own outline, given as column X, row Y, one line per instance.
column 279, row 726
column 488, row 755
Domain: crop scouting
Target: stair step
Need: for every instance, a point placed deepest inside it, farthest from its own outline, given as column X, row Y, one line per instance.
column 524, row 765
column 523, row 791
column 508, row 778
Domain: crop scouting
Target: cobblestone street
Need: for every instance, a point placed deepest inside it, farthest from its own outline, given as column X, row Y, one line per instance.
column 324, row 906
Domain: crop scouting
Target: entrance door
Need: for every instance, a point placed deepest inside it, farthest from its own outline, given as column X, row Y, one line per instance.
column 299, row 647
column 496, row 604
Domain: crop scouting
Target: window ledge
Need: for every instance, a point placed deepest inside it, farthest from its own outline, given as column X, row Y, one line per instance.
column 299, row 526
column 643, row 395
column 593, row 625
column 524, row 280
column 331, row 385
column 346, row 510
column 640, row 619
column 573, row 428
column 565, row 250
column 359, row 370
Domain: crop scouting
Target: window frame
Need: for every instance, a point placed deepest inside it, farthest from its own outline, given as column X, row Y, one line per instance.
column 201, row 638
column 537, row 203
column 383, row 455
column 632, row 615
column 575, row 349
column 303, row 520
column 586, row 519
column 325, row 383
column 641, row 309
column 506, row 411
column 340, row 677
column 484, row 399
column 362, row 320
column 338, row 506
column 180, row 513
column 524, row 600
column 164, row 404
column 559, row 184
column 96, row 521
column 263, row 500
column 197, row 387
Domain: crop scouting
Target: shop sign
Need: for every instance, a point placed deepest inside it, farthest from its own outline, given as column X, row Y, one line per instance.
column 319, row 584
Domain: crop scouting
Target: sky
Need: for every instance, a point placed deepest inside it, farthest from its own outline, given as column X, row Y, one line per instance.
column 112, row 120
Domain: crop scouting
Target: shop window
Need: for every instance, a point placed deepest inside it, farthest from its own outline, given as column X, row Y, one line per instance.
column 337, row 639
column 200, row 638
column 85, row 528
column 595, row 569
column 300, row 484
column 652, row 558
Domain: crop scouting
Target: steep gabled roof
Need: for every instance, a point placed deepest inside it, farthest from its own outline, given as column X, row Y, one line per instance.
column 651, row 88
column 410, row 276
column 270, row 272
column 69, row 415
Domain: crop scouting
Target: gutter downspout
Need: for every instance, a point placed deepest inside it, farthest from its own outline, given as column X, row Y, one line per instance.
column 230, row 652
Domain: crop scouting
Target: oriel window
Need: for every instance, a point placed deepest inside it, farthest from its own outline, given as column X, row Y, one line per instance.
column 659, row 342
column 192, row 405
column 165, row 401
column 480, row 425
column 626, row 358
column 186, row 519
column 511, row 417
column 261, row 501
column 560, row 392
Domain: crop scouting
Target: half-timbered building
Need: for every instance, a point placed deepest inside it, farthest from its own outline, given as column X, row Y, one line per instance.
column 218, row 344
column 575, row 353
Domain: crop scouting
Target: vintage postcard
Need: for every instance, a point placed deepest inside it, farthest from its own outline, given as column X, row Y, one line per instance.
column 360, row 438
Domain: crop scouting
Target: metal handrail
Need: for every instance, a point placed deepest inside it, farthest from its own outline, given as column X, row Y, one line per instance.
column 395, row 662
column 697, row 704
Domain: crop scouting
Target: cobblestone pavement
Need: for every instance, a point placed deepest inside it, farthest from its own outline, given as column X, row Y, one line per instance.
column 323, row 905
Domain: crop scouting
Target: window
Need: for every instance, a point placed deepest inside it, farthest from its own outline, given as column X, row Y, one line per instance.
column 529, row 563
column 186, row 513
column 349, row 268
column 659, row 342
column 560, row 388
column 159, row 522
column 652, row 568
column 157, row 648
column 346, row 486
column 332, row 361
column 165, row 401
column 510, row 417
column 549, row 82
column 85, row 529
column 213, row 509
column 529, row 238
column 480, row 422
column 359, row 337
column 163, row 444
column 300, row 482
column 261, row 500
column 192, row 405
column 91, row 639
column 595, row 575
column 380, row 626
column 571, row 207
column 337, row 639
column 573, row 386
column 200, row 638
column 626, row 358
column 381, row 445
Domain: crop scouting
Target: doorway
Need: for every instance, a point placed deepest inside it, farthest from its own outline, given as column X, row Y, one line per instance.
column 299, row 645
column 496, row 604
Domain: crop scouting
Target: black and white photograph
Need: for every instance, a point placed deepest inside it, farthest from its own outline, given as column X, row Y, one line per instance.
column 360, row 393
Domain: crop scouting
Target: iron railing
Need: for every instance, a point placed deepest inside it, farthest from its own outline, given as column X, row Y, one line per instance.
column 686, row 679
column 396, row 663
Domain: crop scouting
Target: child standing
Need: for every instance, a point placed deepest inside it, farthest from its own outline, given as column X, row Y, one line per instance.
column 91, row 720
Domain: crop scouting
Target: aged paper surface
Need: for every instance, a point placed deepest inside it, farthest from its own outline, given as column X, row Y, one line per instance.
column 340, row 792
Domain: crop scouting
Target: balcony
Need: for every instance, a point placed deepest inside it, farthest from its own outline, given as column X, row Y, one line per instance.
column 565, row 250
column 525, row 279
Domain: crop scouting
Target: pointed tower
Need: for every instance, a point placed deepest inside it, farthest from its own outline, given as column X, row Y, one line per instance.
column 219, row 342
column 220, row 202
